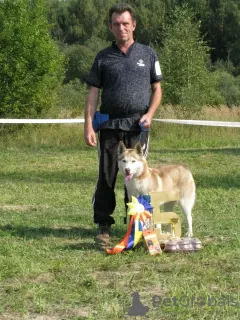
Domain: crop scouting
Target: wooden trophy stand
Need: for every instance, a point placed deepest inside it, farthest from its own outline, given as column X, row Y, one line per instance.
column 166, row 224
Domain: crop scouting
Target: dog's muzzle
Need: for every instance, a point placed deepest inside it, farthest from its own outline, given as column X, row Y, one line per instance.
column 128, row 174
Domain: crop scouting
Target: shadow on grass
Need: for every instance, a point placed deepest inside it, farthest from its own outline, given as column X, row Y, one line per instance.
column 217, row 181
column 117, row 235
column 71, row 232
column 232, row 151
column 210, row 181
column 84, row 237
column 49, row 176
column 41, row 232
column 81, row 247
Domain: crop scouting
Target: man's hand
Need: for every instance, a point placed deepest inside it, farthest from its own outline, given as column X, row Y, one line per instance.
column 90, row 109
column 90, row 137
column 145, row 121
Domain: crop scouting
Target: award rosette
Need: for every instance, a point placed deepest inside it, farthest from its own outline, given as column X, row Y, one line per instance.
column 139, row 210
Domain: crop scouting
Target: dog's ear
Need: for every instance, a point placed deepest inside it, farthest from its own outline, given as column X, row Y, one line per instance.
column 138, row 149
column 121, row 147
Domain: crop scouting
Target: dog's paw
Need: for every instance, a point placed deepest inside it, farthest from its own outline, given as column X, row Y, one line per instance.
column 189, row 234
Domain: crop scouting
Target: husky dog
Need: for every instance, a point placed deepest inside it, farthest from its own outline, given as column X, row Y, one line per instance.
column 139, row 179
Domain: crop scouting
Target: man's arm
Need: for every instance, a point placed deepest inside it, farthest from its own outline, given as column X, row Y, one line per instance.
column 156, row 98
column 91, row 104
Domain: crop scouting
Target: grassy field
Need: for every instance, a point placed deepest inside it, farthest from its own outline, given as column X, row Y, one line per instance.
column 49, row 266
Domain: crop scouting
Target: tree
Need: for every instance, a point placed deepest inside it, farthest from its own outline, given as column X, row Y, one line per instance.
column 30, row 63
column 220, row 27
column 229, row 87
column 150, row 20
column 187, row 81
column 80, row 59
column 78, row 20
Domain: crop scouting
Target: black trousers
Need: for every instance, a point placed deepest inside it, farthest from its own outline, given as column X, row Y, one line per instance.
column 104, row 201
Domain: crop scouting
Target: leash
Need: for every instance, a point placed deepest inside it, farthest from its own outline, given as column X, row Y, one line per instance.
column 142, row 129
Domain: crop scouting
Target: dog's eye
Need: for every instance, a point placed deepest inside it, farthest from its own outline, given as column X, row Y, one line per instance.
column 124, row 161
column 133, row 161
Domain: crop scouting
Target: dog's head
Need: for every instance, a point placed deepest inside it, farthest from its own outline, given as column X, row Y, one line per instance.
column 130, row 161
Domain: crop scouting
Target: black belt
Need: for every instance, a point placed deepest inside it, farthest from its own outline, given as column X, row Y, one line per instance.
column 133, row 115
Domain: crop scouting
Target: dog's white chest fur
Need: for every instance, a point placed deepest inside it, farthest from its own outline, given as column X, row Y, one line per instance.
column 137, row 187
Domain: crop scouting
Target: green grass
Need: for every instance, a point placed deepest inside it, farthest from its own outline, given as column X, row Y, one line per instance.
column 49, row 266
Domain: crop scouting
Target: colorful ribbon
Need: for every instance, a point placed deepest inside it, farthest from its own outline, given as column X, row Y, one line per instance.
column 139, row 215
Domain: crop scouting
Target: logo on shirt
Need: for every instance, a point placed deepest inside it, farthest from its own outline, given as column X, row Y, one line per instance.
column 141, row 63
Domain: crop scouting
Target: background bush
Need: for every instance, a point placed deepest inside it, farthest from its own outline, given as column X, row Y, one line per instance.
column 31, row 66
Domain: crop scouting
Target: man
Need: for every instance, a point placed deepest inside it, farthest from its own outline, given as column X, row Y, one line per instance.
column 124, row 73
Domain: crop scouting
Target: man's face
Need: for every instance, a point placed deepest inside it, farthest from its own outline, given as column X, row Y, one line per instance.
column 122, row 27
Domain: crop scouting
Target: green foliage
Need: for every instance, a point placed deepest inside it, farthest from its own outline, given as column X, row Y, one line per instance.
column 30, row 63
column 229, row 87
column 78, row 20
column 187, row 81
column 80, row 59
column 150, row 20
column 96, row 44
column 71, row 96
column 220, row 27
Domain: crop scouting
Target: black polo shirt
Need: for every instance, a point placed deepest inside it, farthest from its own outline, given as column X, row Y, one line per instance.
column 125, row 79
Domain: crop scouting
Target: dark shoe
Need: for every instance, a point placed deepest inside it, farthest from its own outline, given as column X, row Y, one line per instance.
column 103, row 236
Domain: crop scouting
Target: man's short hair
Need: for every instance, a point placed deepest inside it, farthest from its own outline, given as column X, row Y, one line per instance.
column 120, row 8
